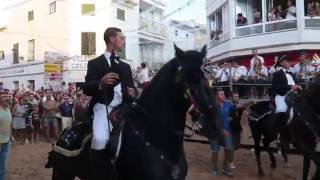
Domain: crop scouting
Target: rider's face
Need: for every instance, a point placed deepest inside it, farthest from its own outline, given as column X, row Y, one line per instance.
column 120, row 41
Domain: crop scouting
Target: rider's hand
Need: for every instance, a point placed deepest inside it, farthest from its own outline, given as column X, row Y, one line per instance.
column 131, row 92
column 296, row 87
column 108, row 80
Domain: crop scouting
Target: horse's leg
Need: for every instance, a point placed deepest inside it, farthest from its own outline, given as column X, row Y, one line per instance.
column 266, row 144
column 306, row 166
column 57, row 174
column 284, row 153
column 257, row 133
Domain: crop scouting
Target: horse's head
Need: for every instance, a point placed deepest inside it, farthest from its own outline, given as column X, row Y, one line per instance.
column 191, row 76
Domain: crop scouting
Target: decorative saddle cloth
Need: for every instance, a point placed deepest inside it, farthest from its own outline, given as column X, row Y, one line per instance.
column 74, row 139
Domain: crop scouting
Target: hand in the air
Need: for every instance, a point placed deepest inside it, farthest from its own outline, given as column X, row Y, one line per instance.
column 109, row 79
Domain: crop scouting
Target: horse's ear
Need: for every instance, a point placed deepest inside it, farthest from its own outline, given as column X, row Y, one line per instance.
column 204, row 51
column 179, row 52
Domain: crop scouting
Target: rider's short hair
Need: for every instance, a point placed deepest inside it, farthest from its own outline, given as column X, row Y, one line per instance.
column 110, row 32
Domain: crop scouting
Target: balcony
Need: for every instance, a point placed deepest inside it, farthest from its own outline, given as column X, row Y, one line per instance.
column 152, row 27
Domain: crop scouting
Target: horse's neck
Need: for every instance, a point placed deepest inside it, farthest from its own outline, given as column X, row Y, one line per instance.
column 164, row 120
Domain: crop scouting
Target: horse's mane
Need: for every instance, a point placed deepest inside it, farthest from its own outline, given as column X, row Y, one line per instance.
column 162, row 118
column 260, row 107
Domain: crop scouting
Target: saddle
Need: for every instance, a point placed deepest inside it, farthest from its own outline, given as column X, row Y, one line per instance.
column 73, row 140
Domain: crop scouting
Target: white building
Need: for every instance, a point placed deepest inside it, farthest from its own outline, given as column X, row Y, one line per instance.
column 153, row 34
column 72, row 28
column 272, row 33
column 187, row 35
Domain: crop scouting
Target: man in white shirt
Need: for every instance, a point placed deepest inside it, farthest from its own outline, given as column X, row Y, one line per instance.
column 291, row 13
column 256, row 58
column 258, row 75
column 223, row 77
column 304, row 68
column 143, row 76
column 238, row 74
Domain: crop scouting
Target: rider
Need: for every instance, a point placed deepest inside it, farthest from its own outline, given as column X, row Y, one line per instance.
column 283, row 81
column 108, row 88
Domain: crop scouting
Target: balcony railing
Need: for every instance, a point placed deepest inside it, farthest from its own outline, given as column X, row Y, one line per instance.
column 219, row 39
column 249, row 29
column 152, row 27
column 280, row 25
column 312, row 22
column 127, row 2
column 272, row 26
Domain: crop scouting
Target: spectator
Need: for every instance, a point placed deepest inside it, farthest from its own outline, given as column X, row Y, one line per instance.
column 273, row 68
column 81, row 108
column 66, row 108
column 317, row 8
column 257, row 16
column 310, row 9
column 143, row 76
column 304, row 68
column 280, row 14
column 224, row 112
column 272, row 14
column 256, row 58
column 291, row 13
column 223, row 77
column 5, row 133
column 258, row 75
column 19, row 120
column 241, row 21
column 35, row 122
column 238, row 74
column 50, row 108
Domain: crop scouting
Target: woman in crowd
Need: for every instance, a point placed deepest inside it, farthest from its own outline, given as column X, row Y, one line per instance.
column 272, row 14
column 19, row 120
column 5, row 132
column 317, row 8
column 35, row 116
column 291, row 13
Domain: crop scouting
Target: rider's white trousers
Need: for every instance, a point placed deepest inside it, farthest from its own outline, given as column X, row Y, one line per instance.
column 281, row 105
column 101, row 127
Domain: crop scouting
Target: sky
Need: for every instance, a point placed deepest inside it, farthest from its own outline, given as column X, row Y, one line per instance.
column 196, row 10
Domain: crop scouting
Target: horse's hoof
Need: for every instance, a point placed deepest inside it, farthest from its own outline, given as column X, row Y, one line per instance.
column 261, row 173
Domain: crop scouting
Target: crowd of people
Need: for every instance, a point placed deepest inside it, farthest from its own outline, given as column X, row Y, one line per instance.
column 313, row 8
column 255, row 76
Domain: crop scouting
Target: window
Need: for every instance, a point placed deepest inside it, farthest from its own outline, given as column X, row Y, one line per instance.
column 121, row 15
column 30, row 15
column 88, row 9
column 15, row 53
column 281, row 9
column 52, row 7
column 1, row 55
column 31, row 49
column 248, row 12
column 16, row 85
column 88, row 43
column 176, row 32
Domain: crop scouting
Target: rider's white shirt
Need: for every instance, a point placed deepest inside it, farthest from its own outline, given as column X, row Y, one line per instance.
column 101, row 125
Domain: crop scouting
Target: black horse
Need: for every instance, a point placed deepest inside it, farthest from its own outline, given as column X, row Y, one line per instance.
column 153, row 129
column 304, row 128
column 263, row 123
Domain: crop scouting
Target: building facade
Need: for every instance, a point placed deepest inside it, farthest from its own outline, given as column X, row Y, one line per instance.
column 69, row 29
column 187, row 35
column 235, row 27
